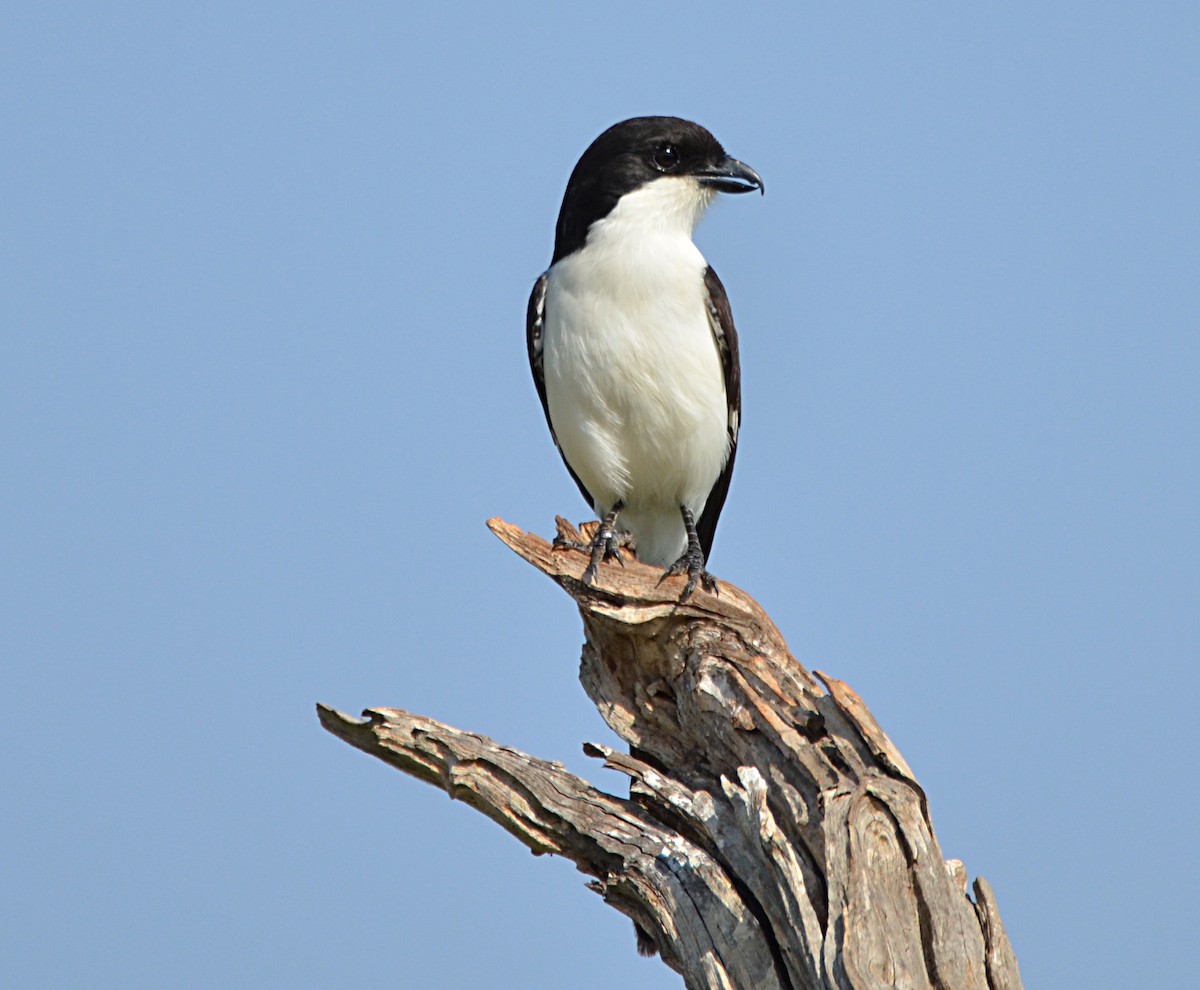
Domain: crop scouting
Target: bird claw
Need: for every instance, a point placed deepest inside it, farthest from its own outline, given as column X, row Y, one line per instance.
column 606, row 545
column 691, row 563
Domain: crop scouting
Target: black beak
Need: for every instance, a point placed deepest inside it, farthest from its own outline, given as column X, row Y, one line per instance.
column 730, row 176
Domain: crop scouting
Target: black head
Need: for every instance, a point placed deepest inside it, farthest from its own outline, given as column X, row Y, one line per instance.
column 637, row 151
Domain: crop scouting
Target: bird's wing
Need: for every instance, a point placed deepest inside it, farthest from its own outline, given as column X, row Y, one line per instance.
column 720, row 318
column 535, row 319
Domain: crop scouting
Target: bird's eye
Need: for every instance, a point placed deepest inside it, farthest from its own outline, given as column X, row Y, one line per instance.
column 666, row 158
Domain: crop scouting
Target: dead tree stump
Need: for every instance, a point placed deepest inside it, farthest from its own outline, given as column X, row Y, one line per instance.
column 774, row 838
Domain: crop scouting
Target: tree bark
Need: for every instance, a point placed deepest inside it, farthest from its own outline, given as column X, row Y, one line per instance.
column 774, row 838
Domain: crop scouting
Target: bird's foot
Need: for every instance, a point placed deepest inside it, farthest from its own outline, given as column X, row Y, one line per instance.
column 691, row 563
column 605, row 545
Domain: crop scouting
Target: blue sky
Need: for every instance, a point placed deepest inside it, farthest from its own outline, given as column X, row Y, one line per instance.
column 263, row 380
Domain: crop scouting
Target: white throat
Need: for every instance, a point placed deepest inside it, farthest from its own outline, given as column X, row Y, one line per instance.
column 670, row 206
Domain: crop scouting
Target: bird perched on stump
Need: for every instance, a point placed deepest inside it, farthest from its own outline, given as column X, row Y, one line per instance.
column 632, row 344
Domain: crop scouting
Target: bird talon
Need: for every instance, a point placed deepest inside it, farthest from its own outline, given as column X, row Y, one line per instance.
column 605, row 545
column 670, row 572
column 691, row 562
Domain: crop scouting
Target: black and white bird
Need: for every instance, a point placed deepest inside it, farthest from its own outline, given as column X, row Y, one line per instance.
column 632, row 345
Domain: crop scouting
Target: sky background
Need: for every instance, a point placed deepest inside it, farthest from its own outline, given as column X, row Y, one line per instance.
column 263, row 378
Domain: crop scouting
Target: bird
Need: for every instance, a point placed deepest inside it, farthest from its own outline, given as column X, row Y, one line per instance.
column 633, row 348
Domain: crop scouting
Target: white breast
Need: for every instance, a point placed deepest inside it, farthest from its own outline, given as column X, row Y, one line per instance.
column 634, row 381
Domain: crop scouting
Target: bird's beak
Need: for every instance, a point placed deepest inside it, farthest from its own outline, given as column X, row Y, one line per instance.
column 730, row 176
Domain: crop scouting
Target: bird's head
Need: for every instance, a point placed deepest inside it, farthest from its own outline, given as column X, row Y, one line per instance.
column 665, row 167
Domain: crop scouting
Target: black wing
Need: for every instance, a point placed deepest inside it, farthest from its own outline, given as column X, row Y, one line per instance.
column 724, row 333
column 534, row 321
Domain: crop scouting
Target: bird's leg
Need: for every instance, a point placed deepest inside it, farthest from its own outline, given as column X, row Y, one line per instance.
column 691, row 561
column 605, row 545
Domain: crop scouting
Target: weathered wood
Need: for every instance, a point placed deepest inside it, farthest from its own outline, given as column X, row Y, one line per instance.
column 773, row 838
column 672, row 888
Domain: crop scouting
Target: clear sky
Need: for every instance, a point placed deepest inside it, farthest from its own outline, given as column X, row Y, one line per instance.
column 263, row 378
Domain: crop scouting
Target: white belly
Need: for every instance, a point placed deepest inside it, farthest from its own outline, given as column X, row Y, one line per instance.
column 635, row 387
